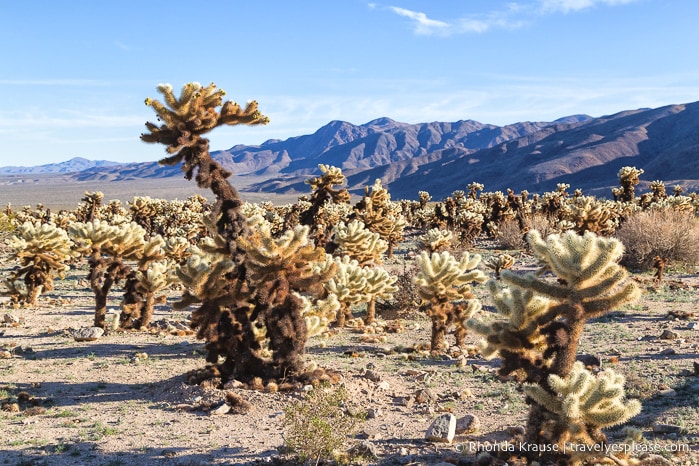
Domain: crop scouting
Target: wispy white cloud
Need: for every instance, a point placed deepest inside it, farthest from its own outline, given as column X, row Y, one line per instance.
column 566, row 6
column 515, row 15
column 421, row 23
column 121, row 45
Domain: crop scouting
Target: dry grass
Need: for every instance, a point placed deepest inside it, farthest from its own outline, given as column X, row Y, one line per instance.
column 670, row 234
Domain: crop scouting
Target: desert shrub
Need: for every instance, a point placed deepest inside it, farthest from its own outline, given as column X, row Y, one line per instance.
column 510, row 236
column 667, row 233
column 317, row 427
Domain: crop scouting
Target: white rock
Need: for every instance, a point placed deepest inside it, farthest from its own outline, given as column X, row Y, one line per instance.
column 88, row 333
column 442, row 429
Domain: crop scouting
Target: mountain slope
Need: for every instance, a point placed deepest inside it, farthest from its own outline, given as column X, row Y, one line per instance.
column 76, row 164
column 440, row 157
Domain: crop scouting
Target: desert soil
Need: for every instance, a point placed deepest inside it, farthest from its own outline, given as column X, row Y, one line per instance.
column 124, row 398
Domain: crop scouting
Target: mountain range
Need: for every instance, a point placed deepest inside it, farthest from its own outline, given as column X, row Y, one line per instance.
column 441, row 157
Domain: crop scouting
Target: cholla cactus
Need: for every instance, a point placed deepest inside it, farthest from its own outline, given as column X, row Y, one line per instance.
column 379, row 285
column 323, row 192
column 41, row 250
column 318, row 315
column 89, row 209
column 107, row 247
column 348, row 285
column 424, row 197
column 150, row 276
column 436, row 240
column 500, row 262
column 590, row 214
column 360, row 244
column 544, row 321
column 628, row 179
column 444, row 285
column 280, row 270
column 473, row 190
column 583, row 405
column 381, row 216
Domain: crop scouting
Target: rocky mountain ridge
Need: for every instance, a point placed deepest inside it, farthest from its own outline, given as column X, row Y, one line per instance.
column 440, row 157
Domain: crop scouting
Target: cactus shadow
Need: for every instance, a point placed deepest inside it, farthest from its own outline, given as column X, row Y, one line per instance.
column 86, row 452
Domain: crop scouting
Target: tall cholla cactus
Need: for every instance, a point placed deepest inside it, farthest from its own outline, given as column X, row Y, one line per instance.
column 538, row 339
column 185, row 120
column 444, row 285
column 107, row 247
column 41, row 250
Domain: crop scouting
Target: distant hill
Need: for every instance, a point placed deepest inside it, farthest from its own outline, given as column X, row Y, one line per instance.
column 73, row 165
column 440, row 157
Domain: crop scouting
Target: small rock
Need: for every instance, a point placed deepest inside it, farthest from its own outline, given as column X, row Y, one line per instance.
column 372, row 375
column 425, row 395
column 666, row 429
column 88, row 333
column 696, row 367
column 307, row 388
column 233, row 384
column 442, row 429
column 693, row 326
column 467, row 424
column 223, row 408
column 373, row 413
column 5, row 355
column 364, row 449
column 669, row 335
column 667, row 392
column 383, row 386
column 407, row 401
column 668, row 352
column 403, row 451
column 10, row 319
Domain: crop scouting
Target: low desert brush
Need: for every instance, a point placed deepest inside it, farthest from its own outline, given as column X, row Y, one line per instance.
column 670, row 234
column 318, row 427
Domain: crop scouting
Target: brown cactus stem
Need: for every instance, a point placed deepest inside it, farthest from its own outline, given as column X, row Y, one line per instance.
column 103, row 275
column 371, row 311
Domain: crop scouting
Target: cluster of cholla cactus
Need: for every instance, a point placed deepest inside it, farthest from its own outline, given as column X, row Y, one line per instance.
column 42, row 251
column 170, row 218
column 537, row 340
column 107, row 248
column 444, row 286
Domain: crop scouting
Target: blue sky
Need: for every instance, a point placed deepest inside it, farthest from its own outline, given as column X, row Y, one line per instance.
column 75, row 73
